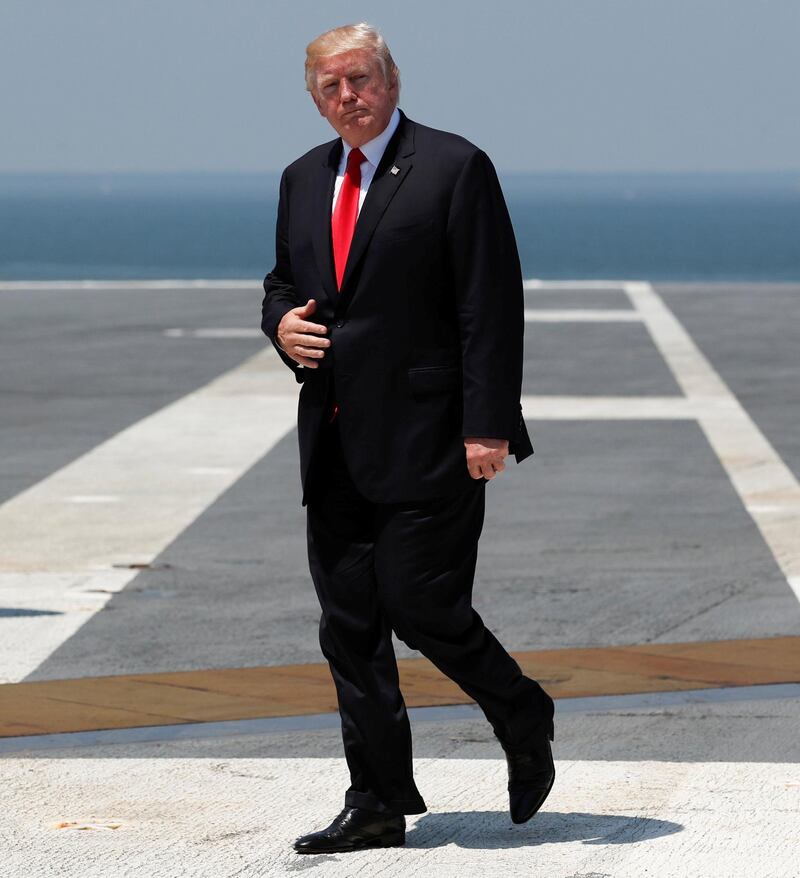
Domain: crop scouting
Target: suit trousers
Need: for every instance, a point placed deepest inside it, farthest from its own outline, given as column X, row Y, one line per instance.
column 407, row 567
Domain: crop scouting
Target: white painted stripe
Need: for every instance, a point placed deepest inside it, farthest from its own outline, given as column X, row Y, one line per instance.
column 240, row 283
column 61, row 536
column 115, row 285
column 532, row 315
column 228, row 424
column 577, row 286
column 581, row 315
column 580, row 408
column 49, row 609
column 218, row 332
column 765, row 485
column 530, row 284
column 93, row 498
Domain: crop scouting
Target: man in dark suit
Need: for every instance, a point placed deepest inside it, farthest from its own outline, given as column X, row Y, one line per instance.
column 396, row 299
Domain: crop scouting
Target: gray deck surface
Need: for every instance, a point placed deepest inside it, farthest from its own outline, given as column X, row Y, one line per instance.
column 616, row 531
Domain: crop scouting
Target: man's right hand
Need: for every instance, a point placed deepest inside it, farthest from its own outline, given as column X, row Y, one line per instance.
column 300, row 339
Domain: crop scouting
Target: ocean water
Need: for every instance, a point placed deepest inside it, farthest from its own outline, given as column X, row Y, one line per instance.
column 739, row 227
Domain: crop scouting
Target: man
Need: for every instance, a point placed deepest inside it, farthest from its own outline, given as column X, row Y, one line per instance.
column 396, row 299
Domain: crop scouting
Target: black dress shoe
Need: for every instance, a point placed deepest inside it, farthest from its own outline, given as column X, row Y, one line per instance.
column 354, row 829
column 531, row 773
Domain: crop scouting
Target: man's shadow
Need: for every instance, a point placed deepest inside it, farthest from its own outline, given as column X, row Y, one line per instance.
column 493, row 829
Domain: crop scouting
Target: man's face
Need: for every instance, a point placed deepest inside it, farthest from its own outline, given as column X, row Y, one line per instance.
column 353, row 95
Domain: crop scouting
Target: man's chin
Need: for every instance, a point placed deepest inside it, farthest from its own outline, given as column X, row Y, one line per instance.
column 356, row 120
column 359, row 130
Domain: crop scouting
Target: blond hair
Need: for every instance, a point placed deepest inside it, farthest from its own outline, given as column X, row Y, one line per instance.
column 345, row 39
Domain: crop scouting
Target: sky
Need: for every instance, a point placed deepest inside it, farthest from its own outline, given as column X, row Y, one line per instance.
column 207, row 85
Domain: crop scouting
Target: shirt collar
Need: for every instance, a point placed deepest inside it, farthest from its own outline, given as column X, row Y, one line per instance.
column 373, row 149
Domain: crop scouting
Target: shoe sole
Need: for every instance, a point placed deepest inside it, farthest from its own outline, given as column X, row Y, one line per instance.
column 389, row 841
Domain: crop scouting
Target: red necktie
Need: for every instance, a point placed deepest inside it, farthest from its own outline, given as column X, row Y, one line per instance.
column 345, row 213
column 343, row 221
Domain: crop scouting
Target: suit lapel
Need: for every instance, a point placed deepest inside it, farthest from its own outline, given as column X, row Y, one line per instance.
column 381, row 190
column 322, row 188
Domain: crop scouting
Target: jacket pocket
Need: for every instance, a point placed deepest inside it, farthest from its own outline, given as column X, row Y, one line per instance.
column 434, row 379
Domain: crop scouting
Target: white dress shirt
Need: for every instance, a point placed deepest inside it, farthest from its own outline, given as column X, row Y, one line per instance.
column 373, row 153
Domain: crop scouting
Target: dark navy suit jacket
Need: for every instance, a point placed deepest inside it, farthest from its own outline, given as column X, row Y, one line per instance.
column 426, row 332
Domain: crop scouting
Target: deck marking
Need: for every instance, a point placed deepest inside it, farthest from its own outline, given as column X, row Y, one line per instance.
column 532, row 315
column 590, row 408
column 115, row 285
column 533, row 283
column 64, row 534
column 766, row 486
column 215, row 332
column 246, row 283
column 93, row 498
column 582, row 315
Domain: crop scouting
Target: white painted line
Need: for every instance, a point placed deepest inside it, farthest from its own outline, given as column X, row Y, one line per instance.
column 765, row 485
column 93, row 498
column 581, row 315
column 531, row 284
column 159, row 469
column 577, row 286
column 55, row 606
column 221, row 332
column 102, row 285
column 590, row 408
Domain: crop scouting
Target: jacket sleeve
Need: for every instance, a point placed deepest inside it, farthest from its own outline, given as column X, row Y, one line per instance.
column 488, row 288
column 279, row 291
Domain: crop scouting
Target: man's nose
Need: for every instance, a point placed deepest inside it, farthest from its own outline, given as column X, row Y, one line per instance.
column 346, row 92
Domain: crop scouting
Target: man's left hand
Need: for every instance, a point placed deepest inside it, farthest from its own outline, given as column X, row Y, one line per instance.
column 485, row 456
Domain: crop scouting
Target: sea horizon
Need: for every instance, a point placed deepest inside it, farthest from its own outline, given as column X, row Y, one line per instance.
column 659, row 225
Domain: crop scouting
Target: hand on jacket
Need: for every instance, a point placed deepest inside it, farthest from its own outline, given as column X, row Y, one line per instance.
column 485, row 456
column 299, row 338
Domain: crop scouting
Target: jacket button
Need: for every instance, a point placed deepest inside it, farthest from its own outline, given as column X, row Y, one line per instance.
column 340, row 323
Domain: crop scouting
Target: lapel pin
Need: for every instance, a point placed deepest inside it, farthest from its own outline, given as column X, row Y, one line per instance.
column 394, row 170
